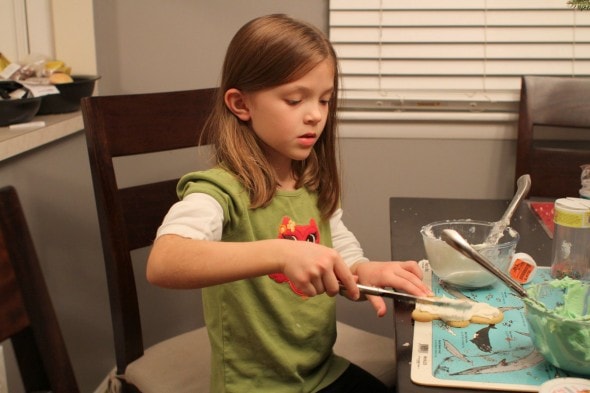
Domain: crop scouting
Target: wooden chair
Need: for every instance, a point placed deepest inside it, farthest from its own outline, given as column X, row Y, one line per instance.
column 27, row 316
column 128, row 125
column 553, row 161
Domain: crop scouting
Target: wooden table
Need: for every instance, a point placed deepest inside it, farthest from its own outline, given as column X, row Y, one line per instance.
column 407, row 216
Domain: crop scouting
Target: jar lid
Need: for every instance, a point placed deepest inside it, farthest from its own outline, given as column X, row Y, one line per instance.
column 522, row 268
column 572, row 212
column 574, row 204
column 559, row 385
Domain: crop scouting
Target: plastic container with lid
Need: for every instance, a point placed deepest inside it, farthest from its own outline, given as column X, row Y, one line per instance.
column 522, row 268
column 571, row 239
column 565, row 385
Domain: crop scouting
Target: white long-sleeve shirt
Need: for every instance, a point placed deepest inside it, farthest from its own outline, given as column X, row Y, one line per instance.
column 199, row 216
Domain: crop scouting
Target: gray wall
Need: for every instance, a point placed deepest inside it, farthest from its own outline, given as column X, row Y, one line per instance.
column 158, row 45
column 376, row 169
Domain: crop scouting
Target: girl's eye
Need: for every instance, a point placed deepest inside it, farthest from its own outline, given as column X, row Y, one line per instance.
column 293, row 102
column 325, row 102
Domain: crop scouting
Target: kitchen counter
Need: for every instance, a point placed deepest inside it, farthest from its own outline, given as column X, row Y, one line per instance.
column 14, row 142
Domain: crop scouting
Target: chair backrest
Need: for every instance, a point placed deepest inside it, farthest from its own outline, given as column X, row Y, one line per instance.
column 553, row 162
column 127, row 125
column 27, row 316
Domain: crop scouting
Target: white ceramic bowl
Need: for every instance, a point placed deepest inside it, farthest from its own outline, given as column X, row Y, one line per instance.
column 456, row 269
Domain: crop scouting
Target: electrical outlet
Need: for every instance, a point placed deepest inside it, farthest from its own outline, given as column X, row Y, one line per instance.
column 3, row 378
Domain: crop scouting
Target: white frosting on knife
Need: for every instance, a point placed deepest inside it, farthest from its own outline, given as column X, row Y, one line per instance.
column 464, row 312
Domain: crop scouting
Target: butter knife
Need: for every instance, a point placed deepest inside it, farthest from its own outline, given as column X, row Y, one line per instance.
column 405, row 297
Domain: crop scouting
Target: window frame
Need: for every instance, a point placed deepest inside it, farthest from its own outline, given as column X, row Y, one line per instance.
column 30, row 29
column 498, row 94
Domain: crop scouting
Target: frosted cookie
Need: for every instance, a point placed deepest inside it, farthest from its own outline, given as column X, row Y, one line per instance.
column 468, row 312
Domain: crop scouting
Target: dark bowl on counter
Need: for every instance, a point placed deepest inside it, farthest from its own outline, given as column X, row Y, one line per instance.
column 70, row 94
column 20, row 110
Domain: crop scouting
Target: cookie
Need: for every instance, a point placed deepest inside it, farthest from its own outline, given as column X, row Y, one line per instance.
column 478, row 313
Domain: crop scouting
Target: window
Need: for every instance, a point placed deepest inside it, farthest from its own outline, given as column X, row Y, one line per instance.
column 13, row 29
column 453, row 55
column 26, row 28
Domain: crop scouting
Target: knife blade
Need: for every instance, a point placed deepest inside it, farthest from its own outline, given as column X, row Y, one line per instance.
column 405, row 297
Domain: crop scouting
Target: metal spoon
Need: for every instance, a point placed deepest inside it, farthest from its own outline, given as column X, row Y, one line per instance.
column 455, row 240
column 523, row 185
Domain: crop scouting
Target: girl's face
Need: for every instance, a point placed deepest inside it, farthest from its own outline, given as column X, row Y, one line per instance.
column 290, row 118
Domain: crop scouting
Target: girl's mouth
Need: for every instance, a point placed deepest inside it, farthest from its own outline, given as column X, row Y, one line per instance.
column 307, row 139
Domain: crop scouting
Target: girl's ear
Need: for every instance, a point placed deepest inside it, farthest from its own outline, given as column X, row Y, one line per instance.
column 236, row 102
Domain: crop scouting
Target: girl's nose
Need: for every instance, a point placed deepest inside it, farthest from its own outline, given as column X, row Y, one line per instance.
column 314, row 114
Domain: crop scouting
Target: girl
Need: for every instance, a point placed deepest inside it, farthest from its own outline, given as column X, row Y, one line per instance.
column 262, row 231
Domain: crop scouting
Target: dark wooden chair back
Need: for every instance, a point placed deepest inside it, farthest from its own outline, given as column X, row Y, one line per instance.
column 27, row 316
column 553, row 161
column 127, row 125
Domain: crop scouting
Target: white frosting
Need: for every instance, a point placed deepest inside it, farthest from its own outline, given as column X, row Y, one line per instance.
column 463, row 312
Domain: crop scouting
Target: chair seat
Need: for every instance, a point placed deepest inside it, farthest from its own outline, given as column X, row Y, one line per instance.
column 372, row 352
column 162, row 368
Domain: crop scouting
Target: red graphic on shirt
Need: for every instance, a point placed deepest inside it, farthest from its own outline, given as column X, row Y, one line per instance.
column 291, row 231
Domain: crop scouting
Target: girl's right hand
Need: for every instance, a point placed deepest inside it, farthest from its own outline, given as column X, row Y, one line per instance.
column 315, row 269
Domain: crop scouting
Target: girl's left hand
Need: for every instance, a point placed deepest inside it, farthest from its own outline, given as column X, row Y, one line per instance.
column 403, row 276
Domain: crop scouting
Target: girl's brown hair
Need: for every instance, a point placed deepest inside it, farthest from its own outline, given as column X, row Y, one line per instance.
column 267, row 52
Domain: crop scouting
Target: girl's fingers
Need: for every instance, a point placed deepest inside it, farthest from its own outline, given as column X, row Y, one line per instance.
column 378, row 304
column 404, row 276
column 412, row 267
column 331, row 284
column 410, row 283
column 347, row 279
column 318, row 284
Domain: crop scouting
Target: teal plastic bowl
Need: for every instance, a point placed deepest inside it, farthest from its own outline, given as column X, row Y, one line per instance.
column 559, row 324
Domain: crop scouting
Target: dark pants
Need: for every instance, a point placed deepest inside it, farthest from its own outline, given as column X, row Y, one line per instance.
column 356, row 380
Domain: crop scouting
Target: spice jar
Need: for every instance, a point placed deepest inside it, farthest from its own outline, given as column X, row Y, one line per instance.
column 571, row 239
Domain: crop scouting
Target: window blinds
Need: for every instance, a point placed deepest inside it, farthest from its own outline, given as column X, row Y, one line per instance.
column 458, row 55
